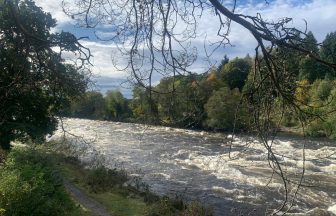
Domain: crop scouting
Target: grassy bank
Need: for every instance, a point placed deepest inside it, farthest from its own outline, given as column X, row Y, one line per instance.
column 123, row 195
column 104, row 186
column 32, row 184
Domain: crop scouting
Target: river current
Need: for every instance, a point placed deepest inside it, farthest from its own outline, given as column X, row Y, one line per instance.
column 197, row 166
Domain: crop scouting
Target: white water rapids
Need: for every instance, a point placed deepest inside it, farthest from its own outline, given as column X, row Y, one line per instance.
column 197, row 165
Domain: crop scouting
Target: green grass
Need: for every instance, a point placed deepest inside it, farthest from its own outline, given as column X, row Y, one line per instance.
column 118, row 200
column 120, row 205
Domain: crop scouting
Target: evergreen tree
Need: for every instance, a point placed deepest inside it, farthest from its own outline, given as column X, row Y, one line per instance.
column 236, row 71
column 309, row 68
column 116, row 105
column 224, row 61
column 328, row 53
column 91, row 106
column 35, row 82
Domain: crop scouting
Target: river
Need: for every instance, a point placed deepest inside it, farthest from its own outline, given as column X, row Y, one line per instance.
column 196, row 165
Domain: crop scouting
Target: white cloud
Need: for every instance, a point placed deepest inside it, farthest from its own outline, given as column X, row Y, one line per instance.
column 54, row 7
column 104, row 57
column 319, row 14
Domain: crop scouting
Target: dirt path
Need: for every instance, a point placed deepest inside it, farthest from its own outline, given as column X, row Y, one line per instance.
column 92, row 205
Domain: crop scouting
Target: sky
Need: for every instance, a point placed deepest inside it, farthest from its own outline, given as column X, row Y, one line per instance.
column 320, row 16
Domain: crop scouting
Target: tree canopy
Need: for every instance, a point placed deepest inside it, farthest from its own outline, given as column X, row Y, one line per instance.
column 235, row 72
column 328, row 53
column 35, row 82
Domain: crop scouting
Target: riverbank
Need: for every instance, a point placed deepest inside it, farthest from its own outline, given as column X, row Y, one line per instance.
column 121, row 194
column 198, row 165
column 104, row 186
column 100, row 189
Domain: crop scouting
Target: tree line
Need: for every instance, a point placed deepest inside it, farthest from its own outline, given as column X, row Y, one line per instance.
column 219, row 98
column 94, row 105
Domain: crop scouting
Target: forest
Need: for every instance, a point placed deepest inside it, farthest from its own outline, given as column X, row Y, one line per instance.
column 45, row 73
column 218, row 99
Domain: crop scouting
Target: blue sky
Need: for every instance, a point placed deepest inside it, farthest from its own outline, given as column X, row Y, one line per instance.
column 319, row 14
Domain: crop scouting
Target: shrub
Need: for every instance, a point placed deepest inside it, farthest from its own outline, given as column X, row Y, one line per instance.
column 164, row 207
column 168, row 207
column 323, row 101
column 196, row 209
column 30, row 185
column 102, row 179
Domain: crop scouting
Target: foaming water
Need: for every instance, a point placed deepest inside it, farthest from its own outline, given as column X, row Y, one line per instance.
column 199, row 165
